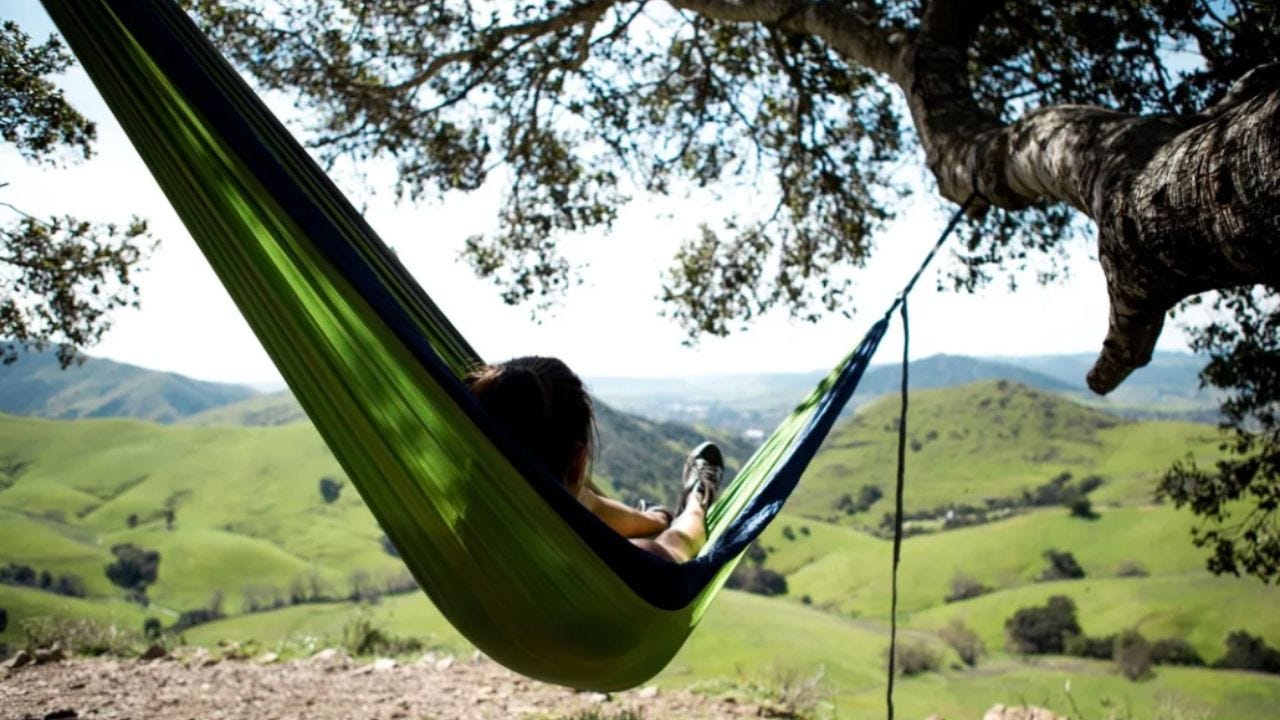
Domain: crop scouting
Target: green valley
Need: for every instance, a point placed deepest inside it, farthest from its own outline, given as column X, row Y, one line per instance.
column 257, row 528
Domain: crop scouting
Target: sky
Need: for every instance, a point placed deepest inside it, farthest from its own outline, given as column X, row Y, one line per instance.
column 609, row 325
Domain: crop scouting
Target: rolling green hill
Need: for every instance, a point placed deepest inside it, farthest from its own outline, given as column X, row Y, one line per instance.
column 992, row 439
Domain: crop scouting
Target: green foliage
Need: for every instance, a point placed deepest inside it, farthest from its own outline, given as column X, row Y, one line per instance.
column 965, row 586
column 151, row 628
column 1062, row 566
column 62, row 276
column 1081, row 507
column 1042, row 630
column 1239, row 495
column 914, row 656
column 81, row 636
column 1132, row 654
column 753, row 578
column 35, row 117
column 1249, row 652
column 1097, row 648
column 134, row 568
column 1175, row 651
column 361, row 636
column 572, row 103
column 964, row 641
column 212, row 610
column 66, row 584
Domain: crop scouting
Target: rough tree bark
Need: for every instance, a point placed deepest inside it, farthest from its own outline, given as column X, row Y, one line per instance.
column 1183, row 204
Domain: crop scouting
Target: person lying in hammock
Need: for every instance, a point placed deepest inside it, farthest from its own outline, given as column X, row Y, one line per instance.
column 545, row 406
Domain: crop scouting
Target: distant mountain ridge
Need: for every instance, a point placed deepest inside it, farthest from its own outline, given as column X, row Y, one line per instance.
column 37, row 385
column 1168, row 387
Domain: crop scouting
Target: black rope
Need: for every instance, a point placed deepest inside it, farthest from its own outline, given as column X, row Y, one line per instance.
column 897, row 510
column 900, row 304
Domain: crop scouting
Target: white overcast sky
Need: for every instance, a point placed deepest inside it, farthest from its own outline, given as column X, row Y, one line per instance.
column 609, row 325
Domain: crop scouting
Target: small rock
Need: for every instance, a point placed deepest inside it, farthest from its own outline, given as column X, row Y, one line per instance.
column 598, row 697
column 154, row 652
column 384, row 664
column 445, row 663
column 23, row 658
column 51, row 654
column 648, row 692
column 267, row 658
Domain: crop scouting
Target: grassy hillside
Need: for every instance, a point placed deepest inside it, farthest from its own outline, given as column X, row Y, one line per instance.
column 37, row 385
column 248, row 519
column 992, row 440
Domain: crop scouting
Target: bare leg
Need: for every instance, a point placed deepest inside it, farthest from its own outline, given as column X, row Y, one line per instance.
column 686, row 536
column 703, row 471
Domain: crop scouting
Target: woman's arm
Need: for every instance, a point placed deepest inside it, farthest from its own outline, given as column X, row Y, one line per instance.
column 626, row 521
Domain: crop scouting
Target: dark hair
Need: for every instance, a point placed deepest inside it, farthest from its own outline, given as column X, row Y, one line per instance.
column 544, row 406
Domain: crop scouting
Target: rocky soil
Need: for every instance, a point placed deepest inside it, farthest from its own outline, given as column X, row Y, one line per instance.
column 192, row 684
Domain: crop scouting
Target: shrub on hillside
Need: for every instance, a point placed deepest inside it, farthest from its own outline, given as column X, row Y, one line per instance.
column 309, row 588
column 1062, row 566
column 362, row 588
column 77, row 636
column 151, row 628
column 1099, row 648
column 1132, row 654
column 134, row 568
column 964, row 641
column 4, row 619
column 330, row 489
column 757, row 579
column 965, row 586
column 131, row 521
column 1175, row 651
column 258, row 598
column 914, row 657
column 26, row 576
column 1131, row 568
column 1249, row 652
column 360, row 636
column 199, row 616
column 1081, row 507
column 1042, row 630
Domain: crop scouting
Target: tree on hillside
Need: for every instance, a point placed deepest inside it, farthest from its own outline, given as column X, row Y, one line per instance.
column 133, row 569
column 60, row 277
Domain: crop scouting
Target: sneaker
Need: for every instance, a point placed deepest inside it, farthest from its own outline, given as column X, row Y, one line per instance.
column 703, row 470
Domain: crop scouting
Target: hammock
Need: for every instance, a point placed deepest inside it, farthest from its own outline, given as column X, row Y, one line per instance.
column 522, row 570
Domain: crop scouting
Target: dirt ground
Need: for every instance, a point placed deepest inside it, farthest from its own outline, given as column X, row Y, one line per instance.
column 193, row 685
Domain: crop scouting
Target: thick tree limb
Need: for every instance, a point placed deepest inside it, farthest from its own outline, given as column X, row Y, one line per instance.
column 1183, row 204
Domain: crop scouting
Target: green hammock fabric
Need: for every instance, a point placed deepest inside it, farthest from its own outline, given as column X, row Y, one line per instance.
column 499, row 561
